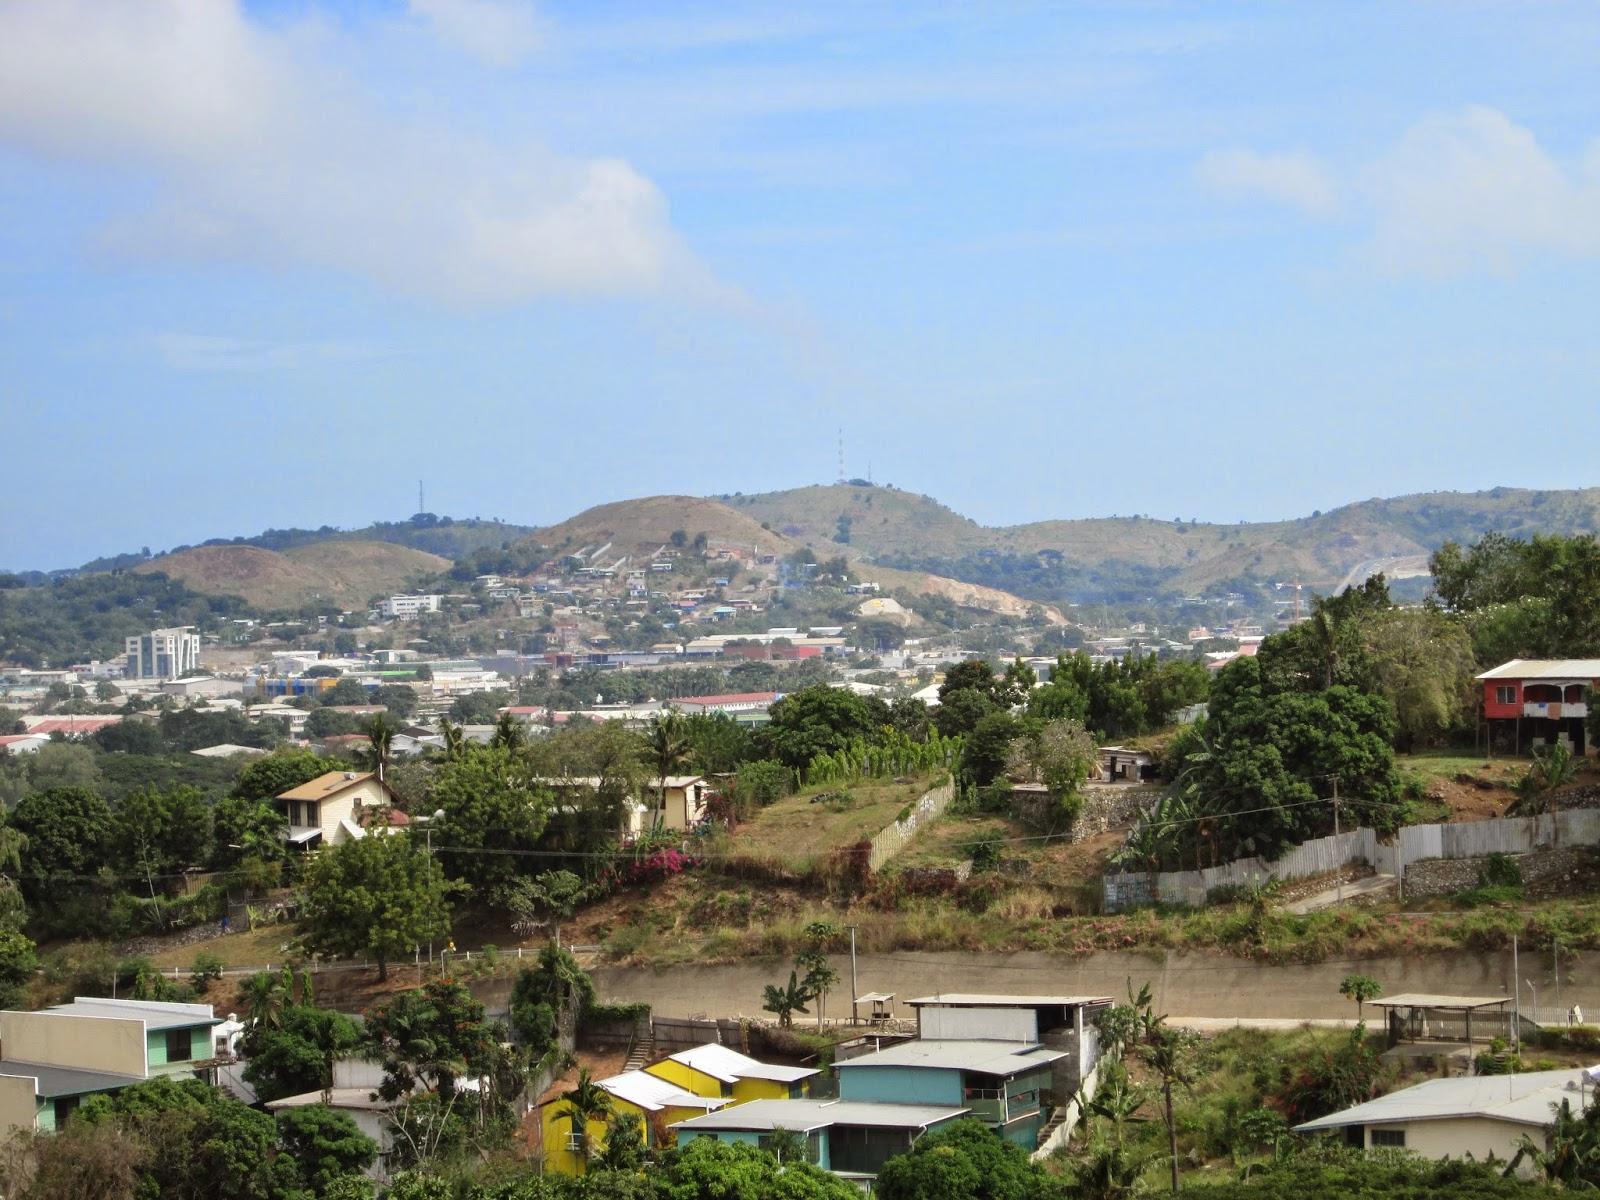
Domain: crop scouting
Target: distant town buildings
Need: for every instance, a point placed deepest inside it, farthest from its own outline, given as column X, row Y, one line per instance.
column 410, row 606
column 163, row 653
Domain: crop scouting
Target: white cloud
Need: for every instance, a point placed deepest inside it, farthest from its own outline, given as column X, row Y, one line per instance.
column 1459, row 192
column 1473, row 189
column 500, row 32
column 1297, row 179
column 263, row 151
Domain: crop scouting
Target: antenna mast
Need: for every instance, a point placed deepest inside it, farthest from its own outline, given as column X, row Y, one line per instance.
column 421, row 506
column 841, row 454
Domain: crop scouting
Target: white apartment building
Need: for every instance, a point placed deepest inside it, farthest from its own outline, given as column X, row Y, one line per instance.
column 163, row 653
column 409, row 606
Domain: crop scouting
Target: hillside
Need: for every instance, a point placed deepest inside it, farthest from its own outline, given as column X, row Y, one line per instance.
column 1118, row 556
column 345, row 573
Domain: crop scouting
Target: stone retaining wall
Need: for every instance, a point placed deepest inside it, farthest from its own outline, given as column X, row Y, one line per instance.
column 1106, row 806
column 1542, row 871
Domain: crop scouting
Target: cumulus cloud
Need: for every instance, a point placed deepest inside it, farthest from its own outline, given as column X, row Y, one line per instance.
column 1297, row 179
column 262, row 151
column 1458, row 192
column 1474, row 190
column 500, row 32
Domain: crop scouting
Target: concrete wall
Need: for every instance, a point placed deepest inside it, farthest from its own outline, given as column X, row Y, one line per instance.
column 18, row 1104
column 114, row 1044
column 1464, row 1138
column 1189, row 985
column 890, row 841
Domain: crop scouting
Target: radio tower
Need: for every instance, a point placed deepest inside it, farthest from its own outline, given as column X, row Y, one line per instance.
column 841, row 454
column 421, row 507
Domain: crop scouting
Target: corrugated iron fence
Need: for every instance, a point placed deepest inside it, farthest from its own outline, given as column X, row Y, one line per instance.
column 1473, row 839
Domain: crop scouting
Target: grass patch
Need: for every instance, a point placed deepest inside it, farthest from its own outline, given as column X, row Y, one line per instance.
column 1447, row 764
column 795, row 831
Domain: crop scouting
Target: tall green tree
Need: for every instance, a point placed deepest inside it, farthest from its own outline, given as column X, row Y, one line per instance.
column 494, row 813
column 381, row 895
column 69, row 841
column 325, row 1145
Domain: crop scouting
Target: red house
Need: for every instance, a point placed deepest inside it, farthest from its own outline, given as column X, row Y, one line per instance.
column 1547, row 699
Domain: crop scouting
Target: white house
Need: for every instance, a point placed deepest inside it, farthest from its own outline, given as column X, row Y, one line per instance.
column 1471, row 1116
column 338, row 807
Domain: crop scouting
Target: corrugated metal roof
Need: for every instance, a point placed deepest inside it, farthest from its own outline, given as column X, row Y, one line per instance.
column 802, row 1116
column 988, row 1000
column 653, row 1093
column 1426, row 1000
column 947, row 1054
column 323, row 786
column 1524, row 1099
column 50, row 1082
column 155, row 1014
column 1546, row 668
column 730, row 1066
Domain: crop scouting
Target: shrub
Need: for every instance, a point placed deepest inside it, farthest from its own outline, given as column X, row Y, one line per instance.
column 658, row 865
column 205, row 970
column 1500, row 870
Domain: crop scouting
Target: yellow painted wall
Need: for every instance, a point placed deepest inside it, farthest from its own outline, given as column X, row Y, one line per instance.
column 759, row 1089
column 687, row 1078
column 18, row 1107
column 114, row 1044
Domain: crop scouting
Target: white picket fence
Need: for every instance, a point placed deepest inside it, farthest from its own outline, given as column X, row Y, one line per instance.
column 1472, row 839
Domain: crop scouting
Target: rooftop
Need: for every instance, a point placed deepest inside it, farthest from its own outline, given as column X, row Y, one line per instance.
column 323, row 786
column 652, row 1093
column 1425, row 1000
column 51, row 1082
column 802, row 1116
column 948, row 1054
column 156, row 1014
column 997, row 1000
column 1524, row 1099
column 1546, row 668
column 729, row 1066
column 343, row 1097
column 729, row 698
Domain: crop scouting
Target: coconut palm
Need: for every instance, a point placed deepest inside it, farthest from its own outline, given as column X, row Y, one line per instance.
column 586, row 1102
column 509, row 733
column 455, row 742
column 265, row 998
column 380, row 745
column 668, row 747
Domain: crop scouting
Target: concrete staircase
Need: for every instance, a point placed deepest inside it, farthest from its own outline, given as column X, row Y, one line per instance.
column 642, row 1051
column 1057, row 1119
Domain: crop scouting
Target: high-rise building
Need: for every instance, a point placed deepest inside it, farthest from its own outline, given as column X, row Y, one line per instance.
column 164, row 653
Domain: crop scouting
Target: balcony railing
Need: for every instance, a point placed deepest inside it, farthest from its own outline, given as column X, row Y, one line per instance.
column 1555, row 709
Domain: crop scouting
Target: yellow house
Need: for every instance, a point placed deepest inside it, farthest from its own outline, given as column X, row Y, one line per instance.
column 653, row 1100
column 717, row 1071
column 337, row 807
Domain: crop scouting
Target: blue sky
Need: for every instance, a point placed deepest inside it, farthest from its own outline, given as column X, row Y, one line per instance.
column 268, row 264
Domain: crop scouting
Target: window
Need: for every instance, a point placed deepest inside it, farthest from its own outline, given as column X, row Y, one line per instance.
column 1389, row 1137
column 1505, row 695
column 575, row 1143
column 179, row 1047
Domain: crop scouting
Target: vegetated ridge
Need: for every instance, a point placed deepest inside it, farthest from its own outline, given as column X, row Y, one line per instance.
column 639, row 528
column 347, row 573
column 1173, row 555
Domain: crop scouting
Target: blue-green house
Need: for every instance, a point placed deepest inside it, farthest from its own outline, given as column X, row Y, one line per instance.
column 1000, row 1083
column 849, row 1139
column 53, row 1058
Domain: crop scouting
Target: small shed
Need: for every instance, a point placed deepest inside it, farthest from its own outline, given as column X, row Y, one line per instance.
column 880, row 1007
column 1424, row 1017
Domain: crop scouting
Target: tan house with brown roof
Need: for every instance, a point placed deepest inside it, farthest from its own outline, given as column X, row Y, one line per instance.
column 341, row 806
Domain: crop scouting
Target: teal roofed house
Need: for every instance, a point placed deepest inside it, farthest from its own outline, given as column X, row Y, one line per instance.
column 848, row 1138
column 1000, row 1083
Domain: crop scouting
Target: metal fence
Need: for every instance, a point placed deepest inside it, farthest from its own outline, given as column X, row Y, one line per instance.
column 1472, row 839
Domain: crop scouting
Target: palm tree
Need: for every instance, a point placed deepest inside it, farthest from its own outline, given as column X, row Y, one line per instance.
column 785, row 1001
column 586, row 1102
column 455, row 742
column 380, row 744
column 668, row 748
column 264, row 998
column 509, row 733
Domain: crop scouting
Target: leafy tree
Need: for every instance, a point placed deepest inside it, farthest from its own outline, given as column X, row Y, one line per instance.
column 273, row 774
column 707, row 1169
column 430, row 1038
column 1422, row 661
column 67, row 830
column 79, row 1162
column 325, row 1145
column 1329, row 1171
column 625, row 1145
column 542, row 993
column 1360, row 988
column 966, row 1160
column 762, row 782
column 297, row 1052
column 18, row 962
column 963, row 710
column 162, row 832
column 983, row 753
column 380, row 895
column 972, row 674
column 346, row 691
column 493, row 808
column 819, row 720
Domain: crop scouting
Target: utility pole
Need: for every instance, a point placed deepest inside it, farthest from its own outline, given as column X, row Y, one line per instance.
column 853, row 991
column 1339, row 882
column 1516, row 999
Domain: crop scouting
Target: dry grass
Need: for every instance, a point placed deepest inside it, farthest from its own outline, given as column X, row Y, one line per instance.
column 797, row 831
